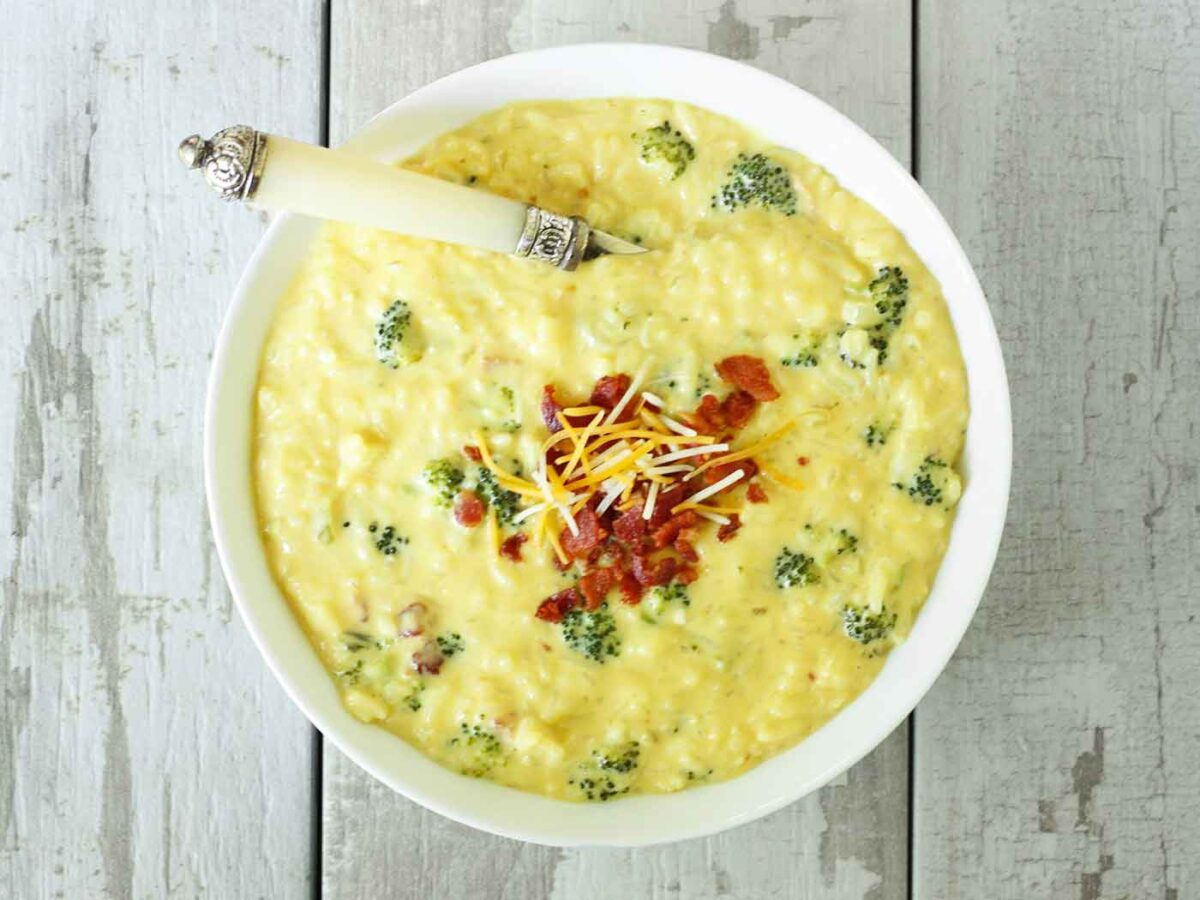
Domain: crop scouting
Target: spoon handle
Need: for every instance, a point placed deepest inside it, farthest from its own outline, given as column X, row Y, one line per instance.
column 332, row 184
column 277, row 173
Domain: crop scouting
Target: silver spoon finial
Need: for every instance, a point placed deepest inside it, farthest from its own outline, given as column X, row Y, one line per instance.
column 232, row 160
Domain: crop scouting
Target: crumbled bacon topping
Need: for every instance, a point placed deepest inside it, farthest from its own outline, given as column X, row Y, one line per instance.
column 469, row 509
column 554, row 607
column 471, row 452
column 727, row 532
column 595, row 586
column 428, row 659
column 630, row 526
column 550, row 409
column 510, row 548
column 609, row 390
column 631, row 589
column 750, row 374
column 654, row 572
column 410, row 621
column 737, row 408
column 592, row 533
column 625, row 489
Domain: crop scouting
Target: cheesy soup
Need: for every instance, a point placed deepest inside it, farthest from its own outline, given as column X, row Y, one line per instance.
column 628, row 529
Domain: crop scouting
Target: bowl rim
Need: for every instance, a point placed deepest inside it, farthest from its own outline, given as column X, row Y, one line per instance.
column 642, row 819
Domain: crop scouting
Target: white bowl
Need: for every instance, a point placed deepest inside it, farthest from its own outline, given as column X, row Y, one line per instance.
column 788, row 116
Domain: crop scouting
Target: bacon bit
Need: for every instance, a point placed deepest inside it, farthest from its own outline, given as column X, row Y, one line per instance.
column 428, row 660
column 554, row 607
column 592, row 534
column 666, row 533
column 750, row 374
column 737, row 408
column 609, row 390
column 468, row 509
column 631, row 589
column 716, row 473
column 685, row 549
column 411, row 620
column 686, row 575
column 755, row 493
column 511, row 548
column 550, row 409
column 803, row 460
column 708, row 417
column 650, row 573
column 727, row 532
column 471, row 452
column 595, row 586
column 630, row 527
column 667, row 501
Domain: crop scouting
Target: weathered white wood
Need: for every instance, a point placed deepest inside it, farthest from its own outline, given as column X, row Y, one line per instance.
column 144, row 748
column 851, row 840
column 1057, row 756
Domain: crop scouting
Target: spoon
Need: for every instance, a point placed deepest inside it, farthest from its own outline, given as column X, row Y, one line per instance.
column 276, row 173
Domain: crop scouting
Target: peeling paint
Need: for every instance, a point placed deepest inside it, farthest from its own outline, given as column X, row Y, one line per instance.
column 731, row 36
column 783, row 26
column 1086, row 775
column 1046, row 820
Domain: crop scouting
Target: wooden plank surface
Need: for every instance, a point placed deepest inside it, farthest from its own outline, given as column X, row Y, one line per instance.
column 1062, row 140
column 144, row 748
column 850, row 840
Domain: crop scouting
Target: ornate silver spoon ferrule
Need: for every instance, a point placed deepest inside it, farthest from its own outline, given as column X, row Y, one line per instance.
column 552, row 238
column 232, row 160
column 277, row 173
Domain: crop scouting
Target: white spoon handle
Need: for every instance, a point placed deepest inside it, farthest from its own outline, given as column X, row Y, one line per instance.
column 334, row 184
column 276, row 173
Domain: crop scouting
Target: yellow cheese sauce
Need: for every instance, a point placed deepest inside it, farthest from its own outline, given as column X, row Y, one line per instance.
column 756, row 251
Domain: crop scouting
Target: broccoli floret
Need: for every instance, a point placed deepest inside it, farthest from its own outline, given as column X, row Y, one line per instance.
column 388, row 541
column 622, row 761
column 506, row 503
column 444, row 478
column 608, row 773
column 675, row 592
column 756, row 180
column 413, row 698
column 511, row 424
column 889, row 290
column 867, row 626
column 794, row 569
column 847, row 542
column 357, row 641
column 396, row 340
column 876, row 435
column 928, row 484
column 659, row 598
column 477, row 749
column 594, row 634
column 805, row 357
column 666, row 147
column 866, row 345
column 352, row 674
column 450, row 643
